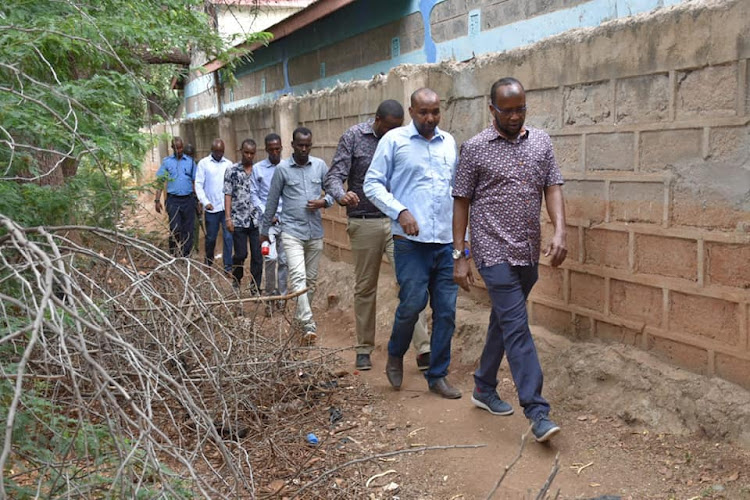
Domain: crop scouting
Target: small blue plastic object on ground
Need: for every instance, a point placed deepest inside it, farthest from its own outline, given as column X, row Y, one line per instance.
column 312, row 439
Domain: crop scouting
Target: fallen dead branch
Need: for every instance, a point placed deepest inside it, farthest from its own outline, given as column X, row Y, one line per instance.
column 508, row 467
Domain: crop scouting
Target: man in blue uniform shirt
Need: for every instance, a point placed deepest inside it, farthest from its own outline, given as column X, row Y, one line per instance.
column 178, row 173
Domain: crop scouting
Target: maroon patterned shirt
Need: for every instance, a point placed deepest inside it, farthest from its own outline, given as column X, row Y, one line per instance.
column 505, row 182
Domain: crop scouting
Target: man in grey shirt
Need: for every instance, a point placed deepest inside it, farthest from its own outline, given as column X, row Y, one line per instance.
column 298, row 182
column 368, row 228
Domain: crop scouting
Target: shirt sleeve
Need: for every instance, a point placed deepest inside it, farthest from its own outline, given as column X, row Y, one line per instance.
column 464, row 181
column 340, row 166
column 228, row 184
column 554, row 176
column 272, row 202
column 378, row 177
column 163, row 170
column 200, row 180
column 254, row 190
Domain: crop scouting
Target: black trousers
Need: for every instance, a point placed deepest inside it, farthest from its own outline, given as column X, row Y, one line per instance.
column 181, row 212
column 240, row 239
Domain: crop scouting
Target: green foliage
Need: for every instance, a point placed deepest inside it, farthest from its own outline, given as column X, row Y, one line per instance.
column 75, row 79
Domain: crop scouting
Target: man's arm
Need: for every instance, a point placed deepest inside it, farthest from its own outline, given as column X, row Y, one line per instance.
column 339, row 172
column 556, row 249
column 200, row 183
column 161, row 180
column 272, row 203
column 462, row 274
column 255, row 189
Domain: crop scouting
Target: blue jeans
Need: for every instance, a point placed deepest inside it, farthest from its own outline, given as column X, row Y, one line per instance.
column 213, row 221
column 425, row 271
column 181, row 212
column 508, row 332
column 240, row 239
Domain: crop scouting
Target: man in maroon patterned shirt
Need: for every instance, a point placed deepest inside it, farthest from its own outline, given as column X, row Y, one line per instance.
column 503, row 173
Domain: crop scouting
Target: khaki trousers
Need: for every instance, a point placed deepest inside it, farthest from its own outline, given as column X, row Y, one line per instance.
column 370, row 239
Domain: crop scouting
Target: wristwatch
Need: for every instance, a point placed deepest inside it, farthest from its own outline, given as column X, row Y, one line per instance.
column 457, row 254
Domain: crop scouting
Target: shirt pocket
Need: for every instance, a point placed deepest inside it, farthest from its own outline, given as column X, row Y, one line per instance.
column 316, row 187
column 294, row 190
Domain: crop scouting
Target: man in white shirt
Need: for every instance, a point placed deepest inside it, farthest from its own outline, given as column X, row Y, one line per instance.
column 209, row 186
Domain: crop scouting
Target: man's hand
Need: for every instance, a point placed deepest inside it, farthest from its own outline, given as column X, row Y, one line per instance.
column 230, row 225
column 157, row 206
column 556, row 250
column 275, row 220
column 462, row 274
column 316, row 204
column 408, row 223
column 350, row 199
column 209, row 206
column 264, row 238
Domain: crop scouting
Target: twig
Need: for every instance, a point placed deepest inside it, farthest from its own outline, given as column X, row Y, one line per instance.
column 383, row 455
column 510, row 465
column 579, row 467
column 550, row 478
column 377, row 476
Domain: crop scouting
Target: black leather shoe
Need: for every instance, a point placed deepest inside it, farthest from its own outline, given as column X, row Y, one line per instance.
column 442, row 387
column 394, row 370
column 363, row 362
column 423, row 361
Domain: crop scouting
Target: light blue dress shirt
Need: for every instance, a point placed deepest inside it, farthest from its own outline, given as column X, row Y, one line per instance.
column 260, row 183
column 408, row 172
column 294, row 185
column 179, row 174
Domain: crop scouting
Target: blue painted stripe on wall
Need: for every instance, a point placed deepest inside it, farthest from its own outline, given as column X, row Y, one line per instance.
column 589, row 14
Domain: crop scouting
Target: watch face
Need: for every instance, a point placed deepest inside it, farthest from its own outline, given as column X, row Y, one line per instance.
column 456, row 254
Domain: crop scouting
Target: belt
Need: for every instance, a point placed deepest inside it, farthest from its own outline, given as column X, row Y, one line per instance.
column 368, row 216
column 399, row 237
column 179, row 195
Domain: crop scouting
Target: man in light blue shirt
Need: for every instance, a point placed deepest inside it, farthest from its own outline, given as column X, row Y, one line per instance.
column 298, row 183
column 260, row 184
column 409, row 180
column 178, row 173
column 209, row 187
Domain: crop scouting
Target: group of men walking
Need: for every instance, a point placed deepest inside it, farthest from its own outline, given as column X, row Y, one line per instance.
column 410, row 195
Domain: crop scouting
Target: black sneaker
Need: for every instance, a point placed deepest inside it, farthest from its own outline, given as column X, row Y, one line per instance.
column 423, row 361
column 363, row 362
column 491, row 402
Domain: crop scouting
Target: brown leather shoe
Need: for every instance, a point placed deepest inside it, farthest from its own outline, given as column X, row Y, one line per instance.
column 442, row 387
column 394, row 370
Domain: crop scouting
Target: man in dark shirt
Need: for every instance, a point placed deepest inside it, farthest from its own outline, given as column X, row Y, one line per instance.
column 503, row 173
column 369, row 229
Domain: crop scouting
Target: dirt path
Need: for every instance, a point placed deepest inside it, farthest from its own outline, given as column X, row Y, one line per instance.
column 606, row 447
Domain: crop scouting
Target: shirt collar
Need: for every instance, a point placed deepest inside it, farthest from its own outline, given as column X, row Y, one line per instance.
column 495, row 135
column 293, row 162
column 368, row 127
column 414, row 132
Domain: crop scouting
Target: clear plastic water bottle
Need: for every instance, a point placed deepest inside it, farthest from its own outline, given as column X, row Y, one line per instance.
column 265, row 248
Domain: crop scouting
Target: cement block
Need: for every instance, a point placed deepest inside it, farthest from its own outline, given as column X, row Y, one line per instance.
column 444, row 11
column 662, row 150
column 585, row 200
column 637, row 202
column 543, row 108
column 733, row 369
column 680, row 354
column 729, row 144
column 557, row 320
column 606, row 248
column 728, row 265
column 502, row 13
column 587, row 104
column 636, row 302
column 619, row 334
column 550, row 283
column 709, row 91
column 666, row 256
column 610, row 151
column 691, row 207
column 587, row 290
column 706, row 317
column 642, row 99
column 463, row 118
column 568, row 152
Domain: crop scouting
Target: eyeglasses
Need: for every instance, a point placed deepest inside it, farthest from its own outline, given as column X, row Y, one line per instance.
column 509, row 111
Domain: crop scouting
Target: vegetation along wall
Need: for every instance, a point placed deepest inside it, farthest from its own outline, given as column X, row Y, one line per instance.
column 649, row 117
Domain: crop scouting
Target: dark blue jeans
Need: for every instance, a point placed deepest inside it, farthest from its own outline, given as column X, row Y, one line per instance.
column 181, row 212
column 213, row 221
column 425, row 271
column 240, row 239
column 508, row 333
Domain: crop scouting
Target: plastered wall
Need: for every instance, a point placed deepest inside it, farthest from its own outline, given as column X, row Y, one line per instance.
column 649, row 117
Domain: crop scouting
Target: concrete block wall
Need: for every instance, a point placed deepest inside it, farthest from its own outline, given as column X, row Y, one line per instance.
column 650, row 120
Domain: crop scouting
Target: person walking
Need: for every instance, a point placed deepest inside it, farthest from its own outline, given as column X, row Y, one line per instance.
column 209, row 187
column 502, row 175
column 410, row 181
column 260, row 183
column 368, row 228
column 177, row 176
column 298, row 184
column 241, row 218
